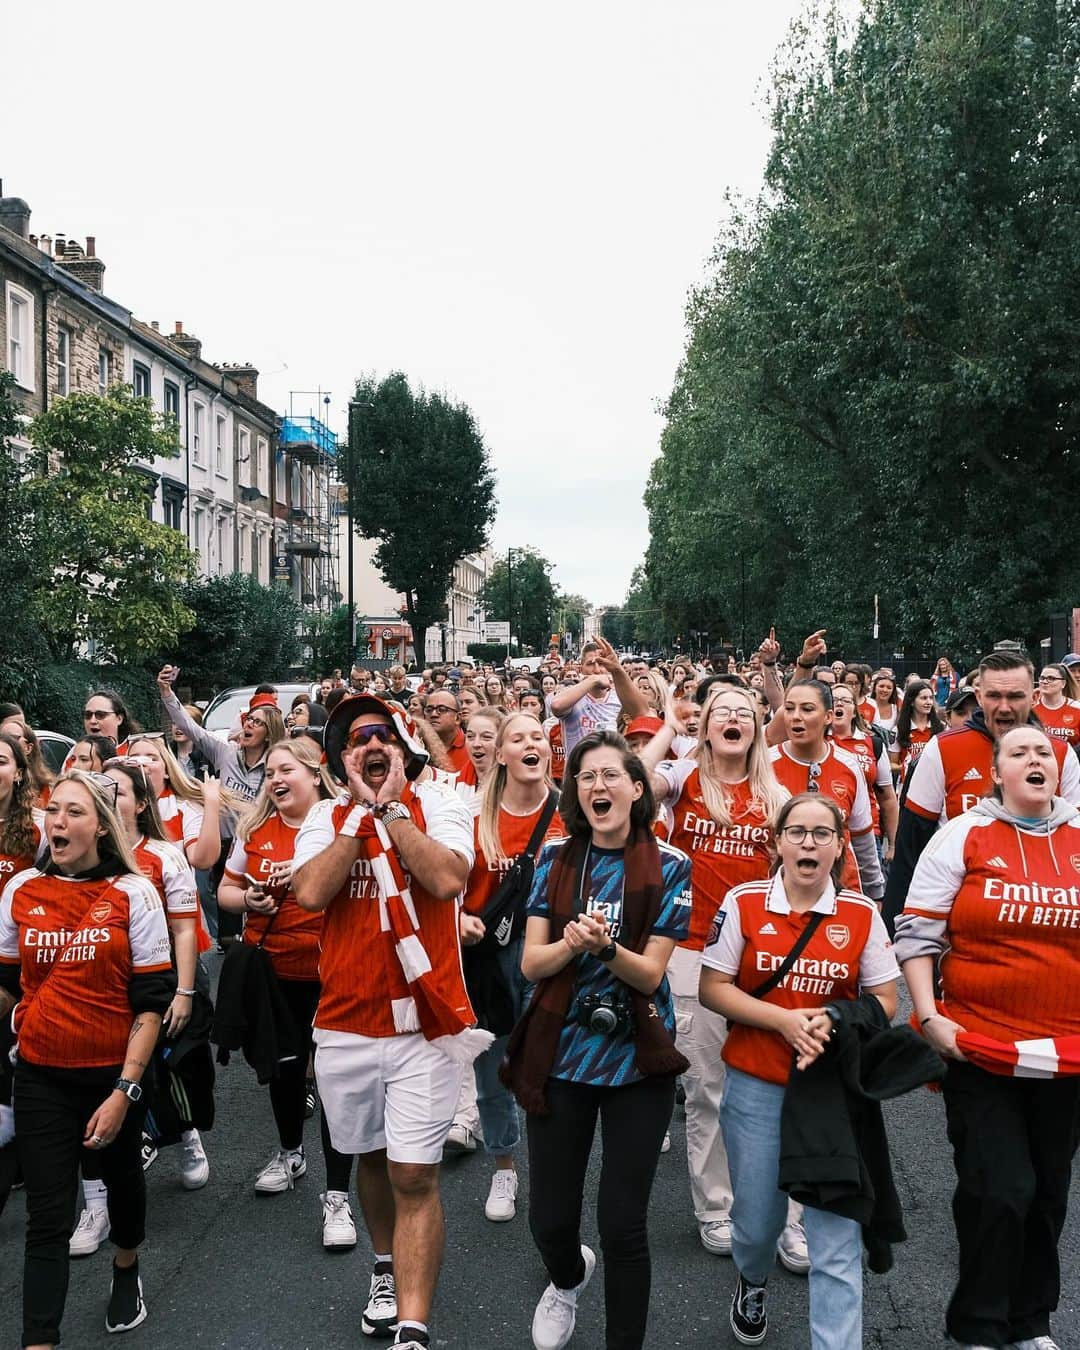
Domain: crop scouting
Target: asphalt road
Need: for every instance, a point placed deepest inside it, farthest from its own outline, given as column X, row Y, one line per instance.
column 223, row 1267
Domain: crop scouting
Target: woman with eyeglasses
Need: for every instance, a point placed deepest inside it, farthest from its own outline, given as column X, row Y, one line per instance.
column 256, row 884
column 84, row 960
column 105, row 714
column 167, row 870
column 722, row 799
column 597, row 1040
column 808, row 761
column 755, row 930
column 867, row 745
column 1057, row 707
column 917, row 723
column 37, row 770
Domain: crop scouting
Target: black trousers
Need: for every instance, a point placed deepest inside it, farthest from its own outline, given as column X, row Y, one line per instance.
column 52, row 1109
column 1013, row 1143
column 633, row 1120
column 289, row 1090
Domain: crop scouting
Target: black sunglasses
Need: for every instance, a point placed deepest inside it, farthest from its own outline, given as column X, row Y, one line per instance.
column 374, row 731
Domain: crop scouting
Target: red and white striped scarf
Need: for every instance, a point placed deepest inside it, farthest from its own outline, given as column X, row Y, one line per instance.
column 425, row 1009
column 1041, row 1057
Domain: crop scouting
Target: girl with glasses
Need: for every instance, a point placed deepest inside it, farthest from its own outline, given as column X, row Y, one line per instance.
column 596, row 1042
column 1057, row 707
column 755, row 930
column 722, row 799
column 87, row 1022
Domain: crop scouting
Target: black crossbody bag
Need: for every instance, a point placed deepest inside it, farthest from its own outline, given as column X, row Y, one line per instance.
column 801, row 943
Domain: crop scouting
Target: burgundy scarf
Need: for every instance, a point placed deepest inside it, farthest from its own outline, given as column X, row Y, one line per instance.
column 533, row 1043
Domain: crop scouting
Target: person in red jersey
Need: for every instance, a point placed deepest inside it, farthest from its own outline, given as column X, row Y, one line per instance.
column 721, row 799
column 851, row 733
column 256, row 883
column 443, row 711
column 190, row 811
column 808, row 762
column 394, row 1029
column 953, row 772
column 848, row 953
column 515, row 801
column 1056, row 710
column 917, row 724
column 994, row 909
column 84, row 960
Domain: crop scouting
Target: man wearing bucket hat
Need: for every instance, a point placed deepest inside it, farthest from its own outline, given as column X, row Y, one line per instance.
column 394, row 1030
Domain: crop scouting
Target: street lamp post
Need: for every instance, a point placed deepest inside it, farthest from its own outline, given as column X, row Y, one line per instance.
column 510, row 600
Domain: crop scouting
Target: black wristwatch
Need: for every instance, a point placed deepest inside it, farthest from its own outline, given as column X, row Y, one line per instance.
column 607, row 953
column 131, row 1090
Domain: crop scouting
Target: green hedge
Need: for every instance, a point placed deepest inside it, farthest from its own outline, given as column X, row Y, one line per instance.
column 58, row 693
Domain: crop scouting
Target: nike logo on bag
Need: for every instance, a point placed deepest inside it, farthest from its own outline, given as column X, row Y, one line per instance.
column 972, row 774
column 502, row 932
column 767, row 930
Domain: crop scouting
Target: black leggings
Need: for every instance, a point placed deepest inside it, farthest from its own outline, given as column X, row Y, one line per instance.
column 633, row 1120
column 52, row 1109
column 289, row 1089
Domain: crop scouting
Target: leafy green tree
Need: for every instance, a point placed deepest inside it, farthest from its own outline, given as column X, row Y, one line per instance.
column 328, row 635
column 570, row 613
column 880, row 393
column 111, row 573
column 527, row 583
column 25, row 564
column 421, row 483
column 243, row 633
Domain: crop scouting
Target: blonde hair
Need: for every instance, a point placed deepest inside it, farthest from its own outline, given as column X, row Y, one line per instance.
column 308, row 754
column 762, row 782
column 491, row 794
column 114, row 843
column 184, row 787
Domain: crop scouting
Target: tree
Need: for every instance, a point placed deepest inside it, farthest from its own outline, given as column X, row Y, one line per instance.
column 571, row 611
column 532, row 593
column 880, row 393
column 420, row 482
column 25, row 564
column 329, row 638
column 110, row 573
column 243, row 633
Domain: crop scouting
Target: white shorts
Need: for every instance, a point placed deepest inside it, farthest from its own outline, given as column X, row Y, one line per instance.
column 396, row 1093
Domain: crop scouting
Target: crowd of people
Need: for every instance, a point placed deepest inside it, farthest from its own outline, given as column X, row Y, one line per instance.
column 495, row 907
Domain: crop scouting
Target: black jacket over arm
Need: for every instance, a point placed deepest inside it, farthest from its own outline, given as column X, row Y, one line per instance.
column 834, row 1152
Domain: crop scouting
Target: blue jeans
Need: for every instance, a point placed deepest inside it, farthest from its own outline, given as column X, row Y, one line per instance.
column 499, row 1117
column 750, row 1117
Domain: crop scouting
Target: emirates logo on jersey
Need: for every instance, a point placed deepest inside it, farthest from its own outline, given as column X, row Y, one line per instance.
column 839, row 934
column 101, row 911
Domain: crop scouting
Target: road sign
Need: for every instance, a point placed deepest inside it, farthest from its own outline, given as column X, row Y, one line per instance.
column 497, row 632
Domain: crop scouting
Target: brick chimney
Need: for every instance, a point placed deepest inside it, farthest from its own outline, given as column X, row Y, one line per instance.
column 85, row 267
column 190, row 346
column 245, row 375
column 14, row 215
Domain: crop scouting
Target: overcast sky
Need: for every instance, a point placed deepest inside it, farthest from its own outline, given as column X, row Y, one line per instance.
column 508, row 202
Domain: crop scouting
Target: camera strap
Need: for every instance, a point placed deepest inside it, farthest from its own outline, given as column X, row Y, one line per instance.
column 802, row 942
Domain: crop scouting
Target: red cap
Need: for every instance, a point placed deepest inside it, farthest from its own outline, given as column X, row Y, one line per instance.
column 262, row 701
column 644, row 726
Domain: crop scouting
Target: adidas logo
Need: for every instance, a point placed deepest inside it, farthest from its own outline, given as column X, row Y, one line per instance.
column 998, row 862
column 38, row 911
column 267, row 847
column 768, row 930
column 971, row 774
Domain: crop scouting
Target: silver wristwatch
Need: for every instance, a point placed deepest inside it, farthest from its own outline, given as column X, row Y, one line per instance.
column 131, row 1090
column 394, row 811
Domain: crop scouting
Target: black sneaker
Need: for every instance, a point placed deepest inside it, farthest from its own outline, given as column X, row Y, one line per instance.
column 411, row 1338
column 126, row 1307
column 748, row 1320
column 309, row 1099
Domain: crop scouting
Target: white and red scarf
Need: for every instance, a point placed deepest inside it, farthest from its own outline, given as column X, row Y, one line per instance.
column 424, row 1009
column 1041, row 1057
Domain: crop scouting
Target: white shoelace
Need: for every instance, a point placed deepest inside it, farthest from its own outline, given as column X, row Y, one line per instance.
column 504, row 1185
column 382, row 1292
column 753, row 1302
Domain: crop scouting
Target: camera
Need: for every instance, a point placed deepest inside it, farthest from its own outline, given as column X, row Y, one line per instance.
column 607, row 1013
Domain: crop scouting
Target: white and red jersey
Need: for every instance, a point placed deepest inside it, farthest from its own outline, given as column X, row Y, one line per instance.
column 721, row 856
column 360, row 973
column 13, row 863
column 514, row 835
column 183, row 820
column 1062, row 723
column 918, row 739
column 953, row 773
column 101, row 933
column 1005, row 903
column 170, row 874
column 754, row 932
column 292, row 942
column 553, row 730
column 868, row 710
column 877, row 772
column 840, row 778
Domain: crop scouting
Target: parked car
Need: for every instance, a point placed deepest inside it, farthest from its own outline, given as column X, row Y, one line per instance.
column 225, row 708
column 55, row 748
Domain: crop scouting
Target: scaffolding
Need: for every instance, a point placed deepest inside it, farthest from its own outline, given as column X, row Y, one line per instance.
column 309, row 449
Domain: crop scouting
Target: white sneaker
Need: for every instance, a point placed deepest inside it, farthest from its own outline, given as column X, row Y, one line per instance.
column 460, row 1140
column 338, row 1228
column 501, row 1204
column 194, row 1168
column 556, row 1313
column 1035, row 1343
column 716, row 1236
column 90, row 1232
column 379, row 1317
column 281, row 1171
column 792, row 1249
column 665, row 1147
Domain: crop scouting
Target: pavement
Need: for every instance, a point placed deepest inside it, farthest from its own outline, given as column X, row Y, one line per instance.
column 223, row 1267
